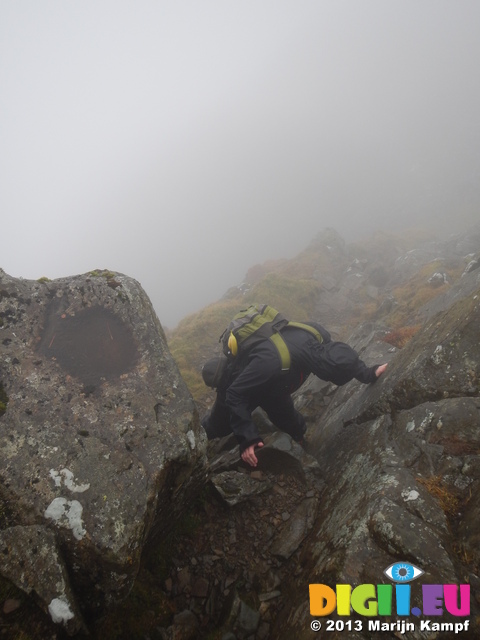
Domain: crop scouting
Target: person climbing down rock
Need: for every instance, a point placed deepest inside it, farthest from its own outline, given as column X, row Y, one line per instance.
column 260, row 377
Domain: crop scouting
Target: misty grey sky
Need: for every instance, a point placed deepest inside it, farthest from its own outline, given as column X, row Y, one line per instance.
column 182, row 142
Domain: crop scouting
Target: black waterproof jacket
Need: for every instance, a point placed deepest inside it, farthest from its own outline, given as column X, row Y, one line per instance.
column 260, row 375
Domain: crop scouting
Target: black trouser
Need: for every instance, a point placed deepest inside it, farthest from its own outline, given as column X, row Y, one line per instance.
column 278, row 407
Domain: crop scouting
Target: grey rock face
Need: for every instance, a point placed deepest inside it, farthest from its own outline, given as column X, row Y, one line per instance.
column 401, row 460
column 298, row 528
column 100, row 443
column 398, row 460
column 235, row 487
column 31, row 561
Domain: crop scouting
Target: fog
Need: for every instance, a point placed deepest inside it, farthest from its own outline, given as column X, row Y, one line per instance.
column 183, row 142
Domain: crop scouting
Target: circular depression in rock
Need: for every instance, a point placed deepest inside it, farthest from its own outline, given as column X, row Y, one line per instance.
column 92, row 345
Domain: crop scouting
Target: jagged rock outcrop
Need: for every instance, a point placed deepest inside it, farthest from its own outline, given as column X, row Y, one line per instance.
column 391, row 474
column 469, row 282
column 402, row 468
column 398, row 460
column 353, row 277
column 100, row 442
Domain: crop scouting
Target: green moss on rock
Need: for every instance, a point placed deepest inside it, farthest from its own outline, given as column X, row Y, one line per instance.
column 3, row 400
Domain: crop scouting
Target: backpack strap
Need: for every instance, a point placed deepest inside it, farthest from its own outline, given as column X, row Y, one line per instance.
column 281, row 346
column 282, row 349
column 307, row 327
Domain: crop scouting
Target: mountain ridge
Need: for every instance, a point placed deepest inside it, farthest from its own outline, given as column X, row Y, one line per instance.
column 386, row 278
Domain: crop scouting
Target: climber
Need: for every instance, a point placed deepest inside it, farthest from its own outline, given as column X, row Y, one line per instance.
column 257, row 380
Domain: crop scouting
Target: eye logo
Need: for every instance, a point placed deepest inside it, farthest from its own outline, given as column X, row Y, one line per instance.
column 402, row 572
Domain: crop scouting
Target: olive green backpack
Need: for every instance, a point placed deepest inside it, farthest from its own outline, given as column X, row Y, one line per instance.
column 257, row 323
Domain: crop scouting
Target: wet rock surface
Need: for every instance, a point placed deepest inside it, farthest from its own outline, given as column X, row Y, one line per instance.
column 230, row 573
column 31, row 560
column 92, row 345
column 100, row 443
column 395, row 477
column 390, row 473
column 401, row 457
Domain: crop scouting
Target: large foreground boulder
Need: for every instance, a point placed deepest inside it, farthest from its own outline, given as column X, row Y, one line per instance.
column 100, row 442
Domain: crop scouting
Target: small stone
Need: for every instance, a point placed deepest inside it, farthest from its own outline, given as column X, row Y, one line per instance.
column 265, row 597
column 229, row 581
column 185, row 625
column 10, row 605
column 200, row 588
column 247, row 619
column 183, row 579
column 263, row 631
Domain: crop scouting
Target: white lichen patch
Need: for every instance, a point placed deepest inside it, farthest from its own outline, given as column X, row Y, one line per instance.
column 426, row 421
column 438, row 355
column 10, row 449
column 67, row 513
column 59, row 610
column 410, row 494
column 388, row 480
column 119, row 528
column 68, row 480
column 376, row 424
column 86, row 411
column 70, row 484
column 410, row 425
column 55, row 477
column 191, row 439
